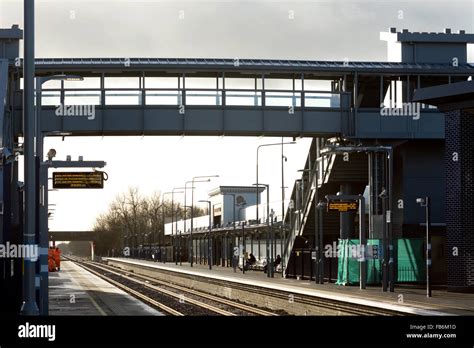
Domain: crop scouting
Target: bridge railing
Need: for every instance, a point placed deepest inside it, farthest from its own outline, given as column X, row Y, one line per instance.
column 194, row 96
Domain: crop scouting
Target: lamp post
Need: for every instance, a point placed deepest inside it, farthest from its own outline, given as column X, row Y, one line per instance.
column 185, row 213
column 385, row 254
column 300, row 193
column 282, row 233
column 191, row 256
column 283, row 160
column 272, row 243
column 179, row 247
column 176, row 221
column 316, row 221
column 320, row 256
column 269, row 261
column 209, row 239
column 257, row 184
column 425, row 202
column 390, row 160
column 185, row 218
column 243, row 248
column 192, row 204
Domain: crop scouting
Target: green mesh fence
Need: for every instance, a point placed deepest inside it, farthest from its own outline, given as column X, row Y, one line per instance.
column 411, row 260
column 409, row 254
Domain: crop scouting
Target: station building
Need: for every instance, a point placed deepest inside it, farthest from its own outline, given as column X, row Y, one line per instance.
column 245, row 231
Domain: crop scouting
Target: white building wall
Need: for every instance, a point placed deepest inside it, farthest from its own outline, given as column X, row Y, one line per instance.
column 246, row 214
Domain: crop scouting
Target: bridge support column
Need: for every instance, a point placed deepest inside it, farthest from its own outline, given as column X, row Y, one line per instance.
column 377, row 183
column 29, row 307
column 43, row 239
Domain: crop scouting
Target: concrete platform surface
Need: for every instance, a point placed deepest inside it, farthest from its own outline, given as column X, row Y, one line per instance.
column 75, row 291
column 407, row 299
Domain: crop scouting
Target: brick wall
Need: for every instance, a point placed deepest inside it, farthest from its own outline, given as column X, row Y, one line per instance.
column 460, row 199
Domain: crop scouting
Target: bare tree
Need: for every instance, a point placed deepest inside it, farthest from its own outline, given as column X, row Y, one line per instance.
column 137, row 220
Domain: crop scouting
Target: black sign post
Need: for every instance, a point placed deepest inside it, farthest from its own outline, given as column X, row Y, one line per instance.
column 345, row 203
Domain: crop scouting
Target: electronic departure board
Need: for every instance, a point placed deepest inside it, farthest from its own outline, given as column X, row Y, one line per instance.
column 78, row 180
column 343, row 206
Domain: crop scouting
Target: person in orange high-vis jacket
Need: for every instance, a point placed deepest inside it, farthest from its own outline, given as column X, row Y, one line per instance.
column 51, row 262
column 57, row 258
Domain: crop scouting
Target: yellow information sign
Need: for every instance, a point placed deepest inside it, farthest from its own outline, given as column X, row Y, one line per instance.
column 78, row 180
column 343, row 206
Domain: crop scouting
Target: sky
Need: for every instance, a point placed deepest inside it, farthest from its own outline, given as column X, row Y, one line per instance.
column 306, row 29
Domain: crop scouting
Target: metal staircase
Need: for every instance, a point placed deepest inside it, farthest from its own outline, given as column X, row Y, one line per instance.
column 326, row 173
column 315, row 174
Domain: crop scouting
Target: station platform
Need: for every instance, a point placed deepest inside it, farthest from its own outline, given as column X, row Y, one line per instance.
column 407, row 299
column 75, row 291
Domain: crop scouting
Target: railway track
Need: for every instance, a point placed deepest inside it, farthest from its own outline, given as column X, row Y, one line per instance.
column 341, row 307
column 171, row 299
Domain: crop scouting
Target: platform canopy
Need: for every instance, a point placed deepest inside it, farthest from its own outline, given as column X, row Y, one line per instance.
column 453, row 96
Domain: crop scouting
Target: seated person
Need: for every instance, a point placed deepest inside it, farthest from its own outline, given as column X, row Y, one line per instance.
column 277, row 261
column 251, row 260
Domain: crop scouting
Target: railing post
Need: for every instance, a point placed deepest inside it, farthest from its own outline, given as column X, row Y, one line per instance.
column 217, row 90
column 102, row 90
column 61, row 97
column 142, row 90
column 255, row 98
column 224, row 103
column 303, row 101
column 183, row 92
